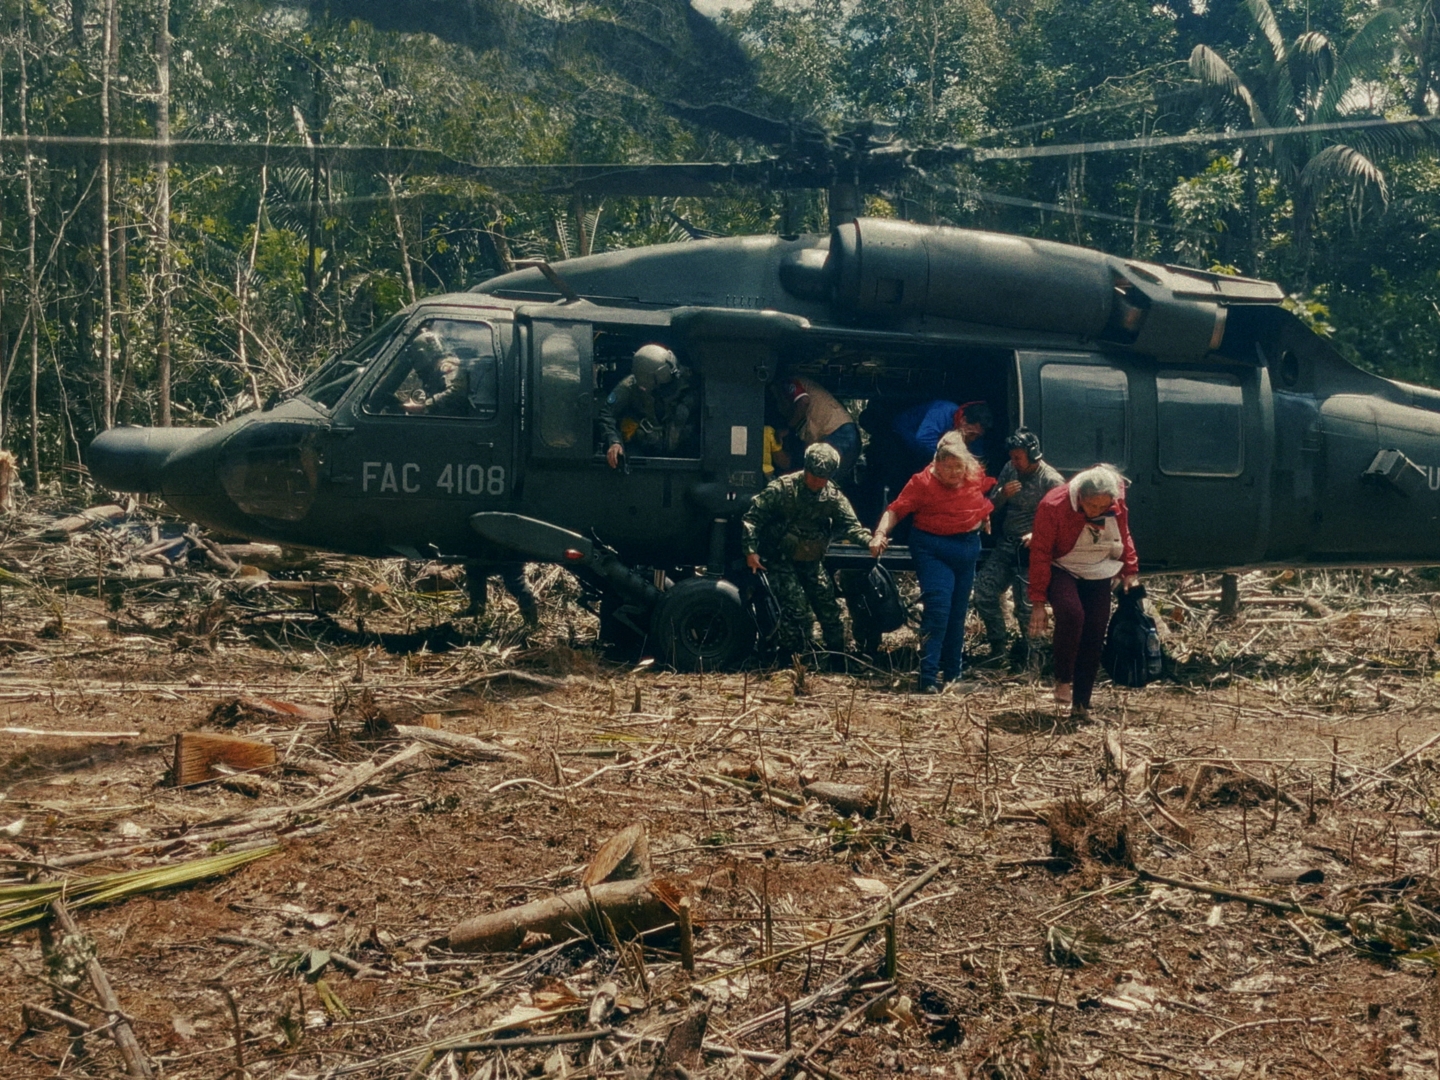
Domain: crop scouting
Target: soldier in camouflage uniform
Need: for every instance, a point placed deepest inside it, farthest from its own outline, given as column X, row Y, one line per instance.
column 1023, row 483
column 790, row 524
column 512, row 575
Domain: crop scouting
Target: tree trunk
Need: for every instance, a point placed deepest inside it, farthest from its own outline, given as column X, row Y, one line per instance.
column 400, row 236
column 1252, row 219
column 630, row 907
column 107, row 268
column 32, row 280
column 312, row 300
column 162, row 194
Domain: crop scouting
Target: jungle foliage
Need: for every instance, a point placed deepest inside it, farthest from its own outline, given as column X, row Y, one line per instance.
column 199, row 290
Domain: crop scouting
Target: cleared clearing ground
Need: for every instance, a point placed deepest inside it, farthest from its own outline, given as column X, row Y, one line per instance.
column 1039, row 948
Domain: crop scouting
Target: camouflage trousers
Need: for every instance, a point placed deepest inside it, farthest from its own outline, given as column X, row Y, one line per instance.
column 512, row 575
column 1001, row 571
column 799, row 588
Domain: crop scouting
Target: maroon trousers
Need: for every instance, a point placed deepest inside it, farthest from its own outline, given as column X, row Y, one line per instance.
column 1082, row 614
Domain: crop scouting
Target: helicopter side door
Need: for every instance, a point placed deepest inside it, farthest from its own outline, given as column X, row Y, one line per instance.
column 429, row 440
column 1193, row 441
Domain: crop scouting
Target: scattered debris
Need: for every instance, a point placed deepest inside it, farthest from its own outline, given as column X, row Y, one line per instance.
column 197, row 756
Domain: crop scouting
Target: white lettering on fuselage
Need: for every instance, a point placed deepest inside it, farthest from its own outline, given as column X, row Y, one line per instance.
column 456, row 478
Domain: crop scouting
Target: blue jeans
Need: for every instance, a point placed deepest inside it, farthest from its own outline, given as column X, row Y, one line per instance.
column 945, row 566
column 845, row 439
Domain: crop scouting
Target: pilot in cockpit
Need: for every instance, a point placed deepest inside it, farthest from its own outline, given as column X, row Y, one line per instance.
column 444, row 382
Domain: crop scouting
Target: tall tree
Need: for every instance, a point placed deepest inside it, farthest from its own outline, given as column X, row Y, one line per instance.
column 107, row 260
column 162, row 209
column 1309, row 81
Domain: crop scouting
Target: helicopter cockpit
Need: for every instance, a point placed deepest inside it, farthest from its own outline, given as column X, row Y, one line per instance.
column 447, row 367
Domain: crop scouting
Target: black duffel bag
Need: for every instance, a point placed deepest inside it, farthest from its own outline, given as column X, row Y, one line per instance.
column 878, row 599
column 1132, row 655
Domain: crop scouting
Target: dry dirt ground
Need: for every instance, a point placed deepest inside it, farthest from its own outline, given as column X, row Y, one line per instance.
column 1080, row 917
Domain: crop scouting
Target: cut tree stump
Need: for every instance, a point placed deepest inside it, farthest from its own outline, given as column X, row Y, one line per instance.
column 1229, row 596
column 624, row 857
column 196, row 754
column 631, row 907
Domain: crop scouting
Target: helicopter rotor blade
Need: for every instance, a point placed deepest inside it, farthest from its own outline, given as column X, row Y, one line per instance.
column 1417, row 124
column 737, row 123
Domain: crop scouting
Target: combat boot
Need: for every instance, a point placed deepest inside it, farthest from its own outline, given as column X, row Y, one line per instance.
column 1020, row 654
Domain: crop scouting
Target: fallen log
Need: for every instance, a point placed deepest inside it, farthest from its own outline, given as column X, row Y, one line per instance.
column 631, row 907
column 119, row 1023
column 465, row 746
column 846, row 799
column 86, row 519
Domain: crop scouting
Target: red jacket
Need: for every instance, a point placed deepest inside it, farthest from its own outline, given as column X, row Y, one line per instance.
column 943, row 510
column 1057, row 528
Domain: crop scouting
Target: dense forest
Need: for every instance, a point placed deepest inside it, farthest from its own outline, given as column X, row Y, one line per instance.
column 144, row 285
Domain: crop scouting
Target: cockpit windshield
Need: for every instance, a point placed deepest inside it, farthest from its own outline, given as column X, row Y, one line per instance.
column 328, row 385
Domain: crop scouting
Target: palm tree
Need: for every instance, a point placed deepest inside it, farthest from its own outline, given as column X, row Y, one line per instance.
column 1311, row 82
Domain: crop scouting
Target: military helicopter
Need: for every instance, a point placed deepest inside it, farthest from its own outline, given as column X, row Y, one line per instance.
column 1248, row 439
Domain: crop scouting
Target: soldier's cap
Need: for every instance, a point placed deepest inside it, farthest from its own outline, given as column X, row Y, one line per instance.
column 822, row 460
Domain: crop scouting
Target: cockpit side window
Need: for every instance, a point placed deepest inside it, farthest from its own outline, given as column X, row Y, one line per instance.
column 328, row 385
column 448, row 367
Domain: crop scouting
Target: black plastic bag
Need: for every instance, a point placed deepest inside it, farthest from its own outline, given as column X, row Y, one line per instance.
column 878, row 599
column 1132, row 654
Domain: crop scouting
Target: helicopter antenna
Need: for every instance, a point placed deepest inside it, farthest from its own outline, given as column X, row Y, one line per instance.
column 562, row 286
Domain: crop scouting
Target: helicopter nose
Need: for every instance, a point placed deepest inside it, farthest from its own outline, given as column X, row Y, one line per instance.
column 132, row 458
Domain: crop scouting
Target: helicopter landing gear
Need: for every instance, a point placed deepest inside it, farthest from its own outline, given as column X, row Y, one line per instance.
column 621, row 623
column 701, row 625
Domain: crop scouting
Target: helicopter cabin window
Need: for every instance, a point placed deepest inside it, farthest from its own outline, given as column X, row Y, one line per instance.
column 1200, row 417
column 1084, row 415
column 562, row 398
column 647, row 399
column 447, row 368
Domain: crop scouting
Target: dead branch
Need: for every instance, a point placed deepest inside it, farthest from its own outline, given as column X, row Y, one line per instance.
column 119, row 1024
column 633, row 907
column 463, row 746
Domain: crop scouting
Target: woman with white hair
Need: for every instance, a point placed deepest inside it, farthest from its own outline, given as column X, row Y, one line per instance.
column 948, row 500
column 1080, row 544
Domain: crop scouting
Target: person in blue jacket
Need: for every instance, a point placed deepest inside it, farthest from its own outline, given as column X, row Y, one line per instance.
column 921, row 426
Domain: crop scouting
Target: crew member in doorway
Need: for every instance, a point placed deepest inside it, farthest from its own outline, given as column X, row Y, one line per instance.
column 512, row 574
column 921, row 426
column 1023, row 483
column 786, row 533
column 652, row 410
column 817, row 416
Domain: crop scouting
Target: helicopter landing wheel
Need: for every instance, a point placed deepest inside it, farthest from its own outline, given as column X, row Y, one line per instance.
column 702, row 625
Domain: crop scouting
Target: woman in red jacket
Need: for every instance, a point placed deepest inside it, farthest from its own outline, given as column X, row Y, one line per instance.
column 1081, row 543
column 948, row 500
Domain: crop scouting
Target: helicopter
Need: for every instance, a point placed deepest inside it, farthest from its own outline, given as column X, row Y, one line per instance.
column 1247, row 439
